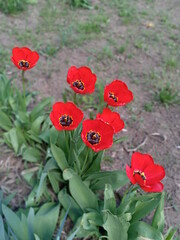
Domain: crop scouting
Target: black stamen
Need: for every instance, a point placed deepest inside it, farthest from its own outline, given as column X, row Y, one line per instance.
column 93, row 137
column 65, row 120
column 78, row 84
column 24, row 64
column 111, row 95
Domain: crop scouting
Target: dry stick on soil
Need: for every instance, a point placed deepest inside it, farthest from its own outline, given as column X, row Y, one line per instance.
column 163, row 137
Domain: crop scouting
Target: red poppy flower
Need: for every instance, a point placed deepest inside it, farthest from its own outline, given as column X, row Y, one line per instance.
column 97, row 134
column 117, row 94
column 23, row 58
column 144, row 172
column 113, row 118
column 66, row 116
column 82, row 80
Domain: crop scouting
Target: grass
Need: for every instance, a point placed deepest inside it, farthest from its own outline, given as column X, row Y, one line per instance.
column 167, row 95
column 95, row 24
column 104, row 54
column 4, row 59
column 126, row 10
column 12, row 6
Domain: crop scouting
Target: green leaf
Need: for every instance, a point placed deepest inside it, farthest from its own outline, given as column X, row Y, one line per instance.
column 66, row 200
column 80, row 192
column 141, row 230
column 45, row 221
column 32, row 154
column 36, row 125
column 116, row 228
column 144, row 207
column 170, row 233
column 2, row 229
column 5, row 122
column 158, row 218
column 116, row 179
column 54, row 180
column 96, row 163
column 20, row 230
column 91, row 220
column 41, row 186
column 39, row 108
column 15, row 139
column 109, row 199
column 62, row 225
column 59, row 156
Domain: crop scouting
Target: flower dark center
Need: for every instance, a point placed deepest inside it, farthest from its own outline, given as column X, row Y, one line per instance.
column 24, row 64
column 142, row 174
column 65, row 120
column 111, row 95
column 78, row 84
column 93, row 137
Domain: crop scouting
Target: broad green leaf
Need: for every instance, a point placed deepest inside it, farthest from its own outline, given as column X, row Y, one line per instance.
column 144, row 207
column 96, row 163
column 59, row 156
column 116, row 228
column 116, row 179
column 109, row 199
column 2, row 229
column 141, row 230
column 5, row 122
column 80, row 192
column 158, row 218
column 36, row 125
column 41, row 186
column 91, row 220
column 66, row 200
column 39, row 108
column 15, row 138
column 12, row 219
column 45, row 221
column 54, row 180
column 32, row 154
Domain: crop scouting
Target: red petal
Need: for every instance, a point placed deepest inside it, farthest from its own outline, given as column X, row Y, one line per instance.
column 140, row 161
column 15, row 63
column 26, row 51
column 83, row 74
column 154, row 173
column 32, row 58
column 120, row 90
column 105, row 131
column 18, row 54
column 157, row 187
column 129, row 173
column 113, row 118
column 70, row 109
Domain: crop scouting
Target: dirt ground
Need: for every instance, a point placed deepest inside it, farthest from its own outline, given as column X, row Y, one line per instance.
column 135, row 41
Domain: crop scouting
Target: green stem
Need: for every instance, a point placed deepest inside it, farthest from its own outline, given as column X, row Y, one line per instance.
column 85, row 161
column 24, row 88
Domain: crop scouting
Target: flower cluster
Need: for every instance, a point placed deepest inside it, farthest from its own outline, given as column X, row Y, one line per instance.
column 97, row 134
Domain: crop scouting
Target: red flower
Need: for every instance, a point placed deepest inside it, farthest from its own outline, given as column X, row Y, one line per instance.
column 82, row 80
column 23, row 58
column 117, row 94
column 97, row 134
column 144, row 172
column 66, row 116
column 113, row 118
